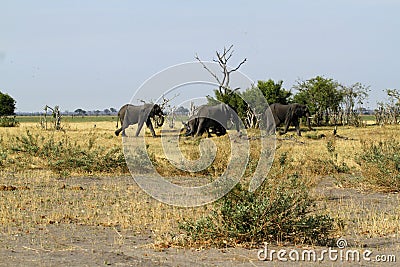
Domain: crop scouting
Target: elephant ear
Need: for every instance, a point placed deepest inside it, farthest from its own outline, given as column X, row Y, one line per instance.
column 298, row 110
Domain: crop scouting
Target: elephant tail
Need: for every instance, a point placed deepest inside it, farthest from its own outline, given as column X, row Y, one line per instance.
column 117, row 121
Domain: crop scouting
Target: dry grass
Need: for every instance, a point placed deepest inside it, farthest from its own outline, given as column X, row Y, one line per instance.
column 38, row 199
column 368, row 218
column 41, row 196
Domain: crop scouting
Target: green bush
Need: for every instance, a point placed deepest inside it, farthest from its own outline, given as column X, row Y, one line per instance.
column 380, row 162
column 285, row 213
column 64, row 155
column 8, row 121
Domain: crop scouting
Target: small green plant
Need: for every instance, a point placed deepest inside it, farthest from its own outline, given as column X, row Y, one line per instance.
column 3, row 152
column 285, row 213
column 340, row 167
column 314, row 136
column 380, row 162
column 27, row 143
column 283, row 158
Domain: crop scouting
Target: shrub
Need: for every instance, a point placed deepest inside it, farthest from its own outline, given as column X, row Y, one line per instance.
column 380, row 164
column 8, row 121
column 338, row 167
column 65, row 155
column 284, row 213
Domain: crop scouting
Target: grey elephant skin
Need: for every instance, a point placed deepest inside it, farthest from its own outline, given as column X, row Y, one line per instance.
column 130, row 114
column 211, row 119
column 290, row 115
column 209, row 126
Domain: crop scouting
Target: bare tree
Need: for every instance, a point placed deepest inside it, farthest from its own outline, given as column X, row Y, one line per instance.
column 349, row 113
column 192, row 109
column 222, row 60
column 225, row 93
column 56, row 117
column 389, row 113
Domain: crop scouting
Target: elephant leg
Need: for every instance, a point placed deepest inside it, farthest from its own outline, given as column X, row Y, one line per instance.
column 123, row 128
column 277, row 122
column 118, row 131
column 140, row 126
column 287, row 124
column 223, row 131
column 200, row 127
column 150, row 126
column 297, row 125
column 208, row 133
column 220, row 130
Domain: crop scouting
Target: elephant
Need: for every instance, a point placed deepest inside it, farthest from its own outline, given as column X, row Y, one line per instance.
column 209, row 126
column 130, row 114
column 211, row 118
column 290, row 115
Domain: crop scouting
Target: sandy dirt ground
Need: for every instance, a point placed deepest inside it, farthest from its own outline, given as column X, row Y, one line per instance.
column 80, row 245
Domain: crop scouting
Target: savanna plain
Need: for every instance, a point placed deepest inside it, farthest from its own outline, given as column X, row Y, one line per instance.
column 67, row 197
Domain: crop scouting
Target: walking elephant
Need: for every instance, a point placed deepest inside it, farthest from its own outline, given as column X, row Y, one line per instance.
column 290, row 115
column 209, row 126
column 130, row 114
column 211, row 118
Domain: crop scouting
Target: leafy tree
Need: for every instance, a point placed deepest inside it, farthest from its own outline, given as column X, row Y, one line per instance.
column 80, row 111
column 106, row 111
column 113, row 110
column 274, row 92
column 7, row 105
column 322, row 96
column 266, row 92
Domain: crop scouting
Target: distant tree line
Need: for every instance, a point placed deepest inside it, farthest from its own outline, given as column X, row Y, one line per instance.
column 82, row 112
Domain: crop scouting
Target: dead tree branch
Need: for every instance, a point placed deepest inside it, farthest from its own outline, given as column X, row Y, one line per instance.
column 222, row 60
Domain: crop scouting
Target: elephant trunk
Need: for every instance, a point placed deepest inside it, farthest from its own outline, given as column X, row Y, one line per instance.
column 159, row 120
column 188, row 131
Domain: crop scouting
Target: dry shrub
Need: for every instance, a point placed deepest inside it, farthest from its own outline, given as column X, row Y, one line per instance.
column 380, row 164
column 283, row 212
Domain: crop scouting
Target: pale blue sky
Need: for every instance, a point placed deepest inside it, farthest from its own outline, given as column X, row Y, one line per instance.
column 94, row 54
